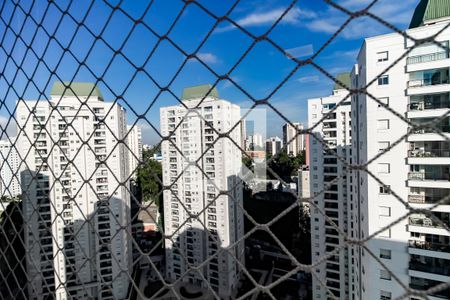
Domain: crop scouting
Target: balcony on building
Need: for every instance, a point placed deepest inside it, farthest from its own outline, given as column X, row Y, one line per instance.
column 426, row 56
column 429, row 153
column 430, row 242
column 432, row 176
column 428, row 106
column 424, row 284
column 427, row 224
column 431, row 81
column 420, row 195
column 430, row 265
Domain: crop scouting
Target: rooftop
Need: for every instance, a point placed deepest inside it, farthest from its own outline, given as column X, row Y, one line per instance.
column 80, row 89
column 428, row 10
column 199, row 92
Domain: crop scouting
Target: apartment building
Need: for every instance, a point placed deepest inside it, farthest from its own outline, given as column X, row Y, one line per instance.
column 255, row 142
column 216, row 221
column 9, row 169
column 273, row 145
column 329, row 187
column 76, row 212
column 416, row 168
column 134, row 143
column 293, row 143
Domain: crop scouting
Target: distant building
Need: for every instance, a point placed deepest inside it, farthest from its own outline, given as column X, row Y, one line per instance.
column 222, row 223
column 273, row 145
column 134, row 143
column 255, row 142
column 146, row 147
column 257, row 155
column 325, row 169
column 293, row 142
column 157, row 156
column 9, row 169
column 64, row 252
column 148, row 216
column 243, row 128
column 303, row 182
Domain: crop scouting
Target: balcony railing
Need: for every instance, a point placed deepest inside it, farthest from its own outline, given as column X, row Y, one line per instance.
column 428, row 105
column 426, row 222
column 429, row 153
column 427, row 268
column 426, row 82
column 426, row 58
column 436, row 128
column 429, row 246
column 427, row 176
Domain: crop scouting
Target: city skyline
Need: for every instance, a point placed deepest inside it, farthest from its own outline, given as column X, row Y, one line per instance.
column 250, row 149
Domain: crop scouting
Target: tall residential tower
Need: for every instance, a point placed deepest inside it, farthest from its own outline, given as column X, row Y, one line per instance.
column 76, row 212
column 217, row 221
column 328, row 187
column 416, row 168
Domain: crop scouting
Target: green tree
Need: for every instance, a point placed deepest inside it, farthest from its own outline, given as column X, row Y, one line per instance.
column 149, row 177
column 285, row 165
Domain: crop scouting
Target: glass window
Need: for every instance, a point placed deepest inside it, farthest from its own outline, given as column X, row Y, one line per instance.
column 385, row 253
column 383, row 80
column 385, row 275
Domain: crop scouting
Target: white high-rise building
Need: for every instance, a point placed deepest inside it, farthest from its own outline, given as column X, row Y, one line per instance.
column 329, row 189
column 416, row 168
column 273, row 145
column 293, row 142
column 76, row 212
column 134, row 140
column 255, row 142
column 9, row 169
column 196, row 190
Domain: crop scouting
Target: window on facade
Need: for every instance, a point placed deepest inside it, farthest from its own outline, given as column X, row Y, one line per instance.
column 383, row 124
column 385, row 189
column 385, row 295
column 385, row 275
column 385, row 253
column 382, row 56
column 383, row 80
column 384, row 100
column 385, row 211
column 383, row 146
column 384, row 168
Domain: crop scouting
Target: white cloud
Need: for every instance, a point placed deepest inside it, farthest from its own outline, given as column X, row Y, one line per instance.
column 325, row 26
column 11, row 128
column 301, row 51
column 293, row 16
column 208, row 58
column 308, row 79
column 397, row 13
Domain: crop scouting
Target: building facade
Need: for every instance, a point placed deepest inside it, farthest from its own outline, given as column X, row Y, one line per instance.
column 273, row 145
column 9, row 170
column 293, row 142
column 74, row 208
column 217, row 221
column 255, row 142
column 134, row 143
column 329, row 189
column 414, row 169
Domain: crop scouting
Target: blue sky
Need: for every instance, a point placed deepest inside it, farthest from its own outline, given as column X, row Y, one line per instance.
column 302, row 32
